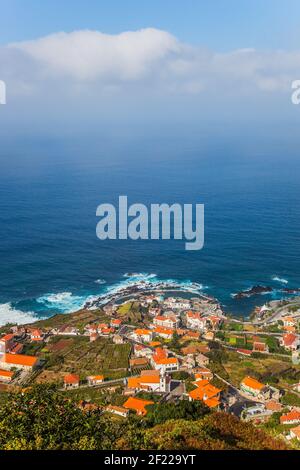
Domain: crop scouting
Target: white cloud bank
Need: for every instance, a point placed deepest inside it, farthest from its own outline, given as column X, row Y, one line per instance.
column 148, row 58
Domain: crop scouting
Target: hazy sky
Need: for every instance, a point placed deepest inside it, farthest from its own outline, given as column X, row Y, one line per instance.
column 80, row 66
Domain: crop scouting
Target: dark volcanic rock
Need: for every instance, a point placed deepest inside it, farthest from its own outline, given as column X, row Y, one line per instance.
column 255, row 290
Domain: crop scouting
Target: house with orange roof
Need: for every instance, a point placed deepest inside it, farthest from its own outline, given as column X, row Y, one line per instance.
column 6, row 376
column 159, row 353
column 193, row 335
column 167, row 364
column 290, row 329
column 202, row 373
column 293, row 417
column 138, row 362
column 207, row 393
column 142, row 351
column 195, row 321
column 137, row 405
column 6, row 343
column 255, row 388
column 71, row 381
column 19, row 361
column 273, row 405
column 117, row 410
column 95, row 380
column 36, row 335
column 143, row 335
column 290, row 341
column 214, row 322
column 150, row 381
column 165, row 333
column 295, row 433
column 115, row 322
column 170, row 321
column 259, row 345
column 289, row 321
column 209, row 335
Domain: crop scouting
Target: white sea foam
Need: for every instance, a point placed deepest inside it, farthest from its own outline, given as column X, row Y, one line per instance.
column 100, row 281
column 280, row 279
column 64, row 302
column 9, row 314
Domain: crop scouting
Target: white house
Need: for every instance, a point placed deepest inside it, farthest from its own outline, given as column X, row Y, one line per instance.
column 142, row 335
column 195, row 321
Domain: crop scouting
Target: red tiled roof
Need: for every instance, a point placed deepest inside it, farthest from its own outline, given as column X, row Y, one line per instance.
column 20, row 359
column 71, row 379
column 289, row 339
column 137, row 405
column 293, row 415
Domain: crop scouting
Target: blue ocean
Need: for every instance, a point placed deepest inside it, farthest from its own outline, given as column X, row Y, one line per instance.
column 52, row 261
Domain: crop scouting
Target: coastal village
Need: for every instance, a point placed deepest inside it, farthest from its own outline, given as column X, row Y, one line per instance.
column 140, row 350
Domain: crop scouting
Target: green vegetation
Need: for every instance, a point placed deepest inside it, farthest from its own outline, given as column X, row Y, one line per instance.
column 78, row 355
column 77, row 319
column 131, row 312
column 162, row 412
column 43, row 418
column 290, row 399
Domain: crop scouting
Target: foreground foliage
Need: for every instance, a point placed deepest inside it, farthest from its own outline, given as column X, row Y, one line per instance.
column 42, row 418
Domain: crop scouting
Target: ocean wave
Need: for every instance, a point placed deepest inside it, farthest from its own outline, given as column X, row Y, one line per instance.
column 280, row 279
column 64, row 302
column 143, row 276
column 146, row 282
column 9, row 314
column 100, row 281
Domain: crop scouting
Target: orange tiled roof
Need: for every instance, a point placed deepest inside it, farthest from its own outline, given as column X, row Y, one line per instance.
column 142, row 332
column 137, row 405
column 20, row 359
column 252, row 383
column 96, row 377
column 290, row 328
column 36, row 333
column 71, row 379
column 167, row 360
column 164, row 331
column 296, row 431
column 273, row 405
column 6, row 373
column 154, row 343
column 289, row 319
column 194, row 315
column 150, row 379
column 192, row 334
column 204, row 391
column 133, row 382
column 293, row 415
column 212, row 402
column 160, row 353
column 7, row 337
column 289, row 339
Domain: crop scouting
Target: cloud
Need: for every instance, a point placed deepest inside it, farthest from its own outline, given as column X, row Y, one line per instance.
column 134, row 61
column 91, row 55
